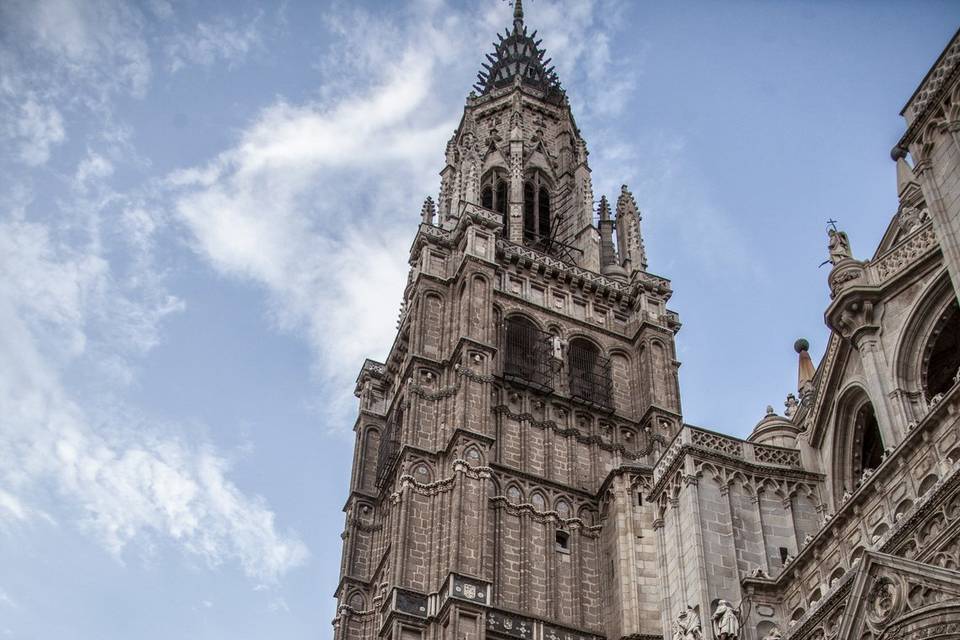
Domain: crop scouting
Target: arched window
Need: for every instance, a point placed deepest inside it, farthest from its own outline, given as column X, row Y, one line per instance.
column 858, row 444
column 527, row 354
column 942, row 354
column 589, row 374
column 536, row 211
column 494, row 195
column 871, row 443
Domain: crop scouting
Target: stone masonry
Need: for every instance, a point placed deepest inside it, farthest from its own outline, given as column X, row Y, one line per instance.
column 522, row 469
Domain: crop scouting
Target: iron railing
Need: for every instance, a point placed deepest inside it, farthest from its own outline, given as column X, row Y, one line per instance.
column 527, row 355
column 590, row 376
column 389, row 450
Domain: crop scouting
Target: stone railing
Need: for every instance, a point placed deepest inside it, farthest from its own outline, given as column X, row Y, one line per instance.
column 727, row 446
column 903, row 254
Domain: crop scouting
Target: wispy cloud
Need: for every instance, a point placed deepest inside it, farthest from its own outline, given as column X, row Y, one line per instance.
column 80, row 292
column 125, row 477
column 222, row 40
column 317, row 202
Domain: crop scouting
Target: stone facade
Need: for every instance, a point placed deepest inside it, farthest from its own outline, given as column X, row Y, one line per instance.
column 522, row 469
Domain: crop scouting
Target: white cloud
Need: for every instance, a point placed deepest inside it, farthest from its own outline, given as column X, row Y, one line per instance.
column 34, row 129
column 221, row 40
column 318, row 202
column 99, row 44
column 306, row 205
column 124, row 477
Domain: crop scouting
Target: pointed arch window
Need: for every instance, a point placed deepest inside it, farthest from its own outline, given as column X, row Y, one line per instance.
column 858, row 443
column 942, row 355
column 871, row 443
column 536, row 210
column 494, row 194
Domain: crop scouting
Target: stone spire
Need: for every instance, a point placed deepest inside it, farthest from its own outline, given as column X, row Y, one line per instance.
column 629, row 238
column 428, row 211
column 609, row 265
column 805, row 371
column 517, row 56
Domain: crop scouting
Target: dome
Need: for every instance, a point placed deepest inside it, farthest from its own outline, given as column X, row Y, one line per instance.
column 774, row 430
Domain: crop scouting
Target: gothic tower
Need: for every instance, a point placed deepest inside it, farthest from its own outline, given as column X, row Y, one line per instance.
column 504, row 447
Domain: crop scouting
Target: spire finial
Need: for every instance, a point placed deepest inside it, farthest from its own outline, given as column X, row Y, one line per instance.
column 518, row 15
column 805, row 370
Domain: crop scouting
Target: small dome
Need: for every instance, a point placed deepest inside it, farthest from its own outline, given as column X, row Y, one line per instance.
column 778, row 431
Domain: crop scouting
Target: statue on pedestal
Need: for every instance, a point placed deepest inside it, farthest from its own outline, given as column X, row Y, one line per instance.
column 839, row 246
column 726, row 621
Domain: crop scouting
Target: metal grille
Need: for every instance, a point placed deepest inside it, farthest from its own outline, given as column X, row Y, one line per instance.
column 590, row 379
column 389, row 449
column 527, row 357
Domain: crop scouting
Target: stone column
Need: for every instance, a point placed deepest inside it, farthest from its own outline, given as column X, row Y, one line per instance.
column 699, row 556
column 879, row 387
column 515, row 233
column 937, row 171
column 755, row 499
column 667, row 608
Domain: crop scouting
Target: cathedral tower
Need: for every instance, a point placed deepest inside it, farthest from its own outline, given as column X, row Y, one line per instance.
column 504, row 446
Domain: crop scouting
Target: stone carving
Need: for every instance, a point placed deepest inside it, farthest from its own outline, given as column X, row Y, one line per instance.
column 687, row 625
column 776, row 455
column 911, row 218
column 726, row 621
column 936, row 78
column 716, row 442
column 790, row 405
column 556, row 347
column 838, row 246
column 905, row 254
column 773, row 634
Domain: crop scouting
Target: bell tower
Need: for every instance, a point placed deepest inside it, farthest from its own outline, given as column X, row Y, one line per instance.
column 504, row 446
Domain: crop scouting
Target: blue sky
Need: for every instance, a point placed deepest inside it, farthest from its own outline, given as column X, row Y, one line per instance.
column 204, row 215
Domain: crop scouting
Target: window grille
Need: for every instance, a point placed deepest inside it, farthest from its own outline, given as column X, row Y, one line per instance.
column 527, row 355
column 389, row 448
column 590, row 379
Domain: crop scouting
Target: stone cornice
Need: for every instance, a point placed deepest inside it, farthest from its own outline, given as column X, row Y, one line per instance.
column 580, row 277
column 579, row 435
column 662, row 478
column 502, row 470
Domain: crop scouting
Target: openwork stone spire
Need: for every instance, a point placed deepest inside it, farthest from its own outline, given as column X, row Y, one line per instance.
column 518, row 54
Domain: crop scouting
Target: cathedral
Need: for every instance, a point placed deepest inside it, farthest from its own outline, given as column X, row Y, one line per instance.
column 522, row 469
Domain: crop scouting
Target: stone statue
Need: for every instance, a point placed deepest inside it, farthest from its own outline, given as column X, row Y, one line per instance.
column 687, row 625
column 556, row 346
column 726, row 621
column 791, row 405
column 839, row 246
column 773, row 634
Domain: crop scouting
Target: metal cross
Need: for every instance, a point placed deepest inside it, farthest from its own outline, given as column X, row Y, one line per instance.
column 832, row 223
